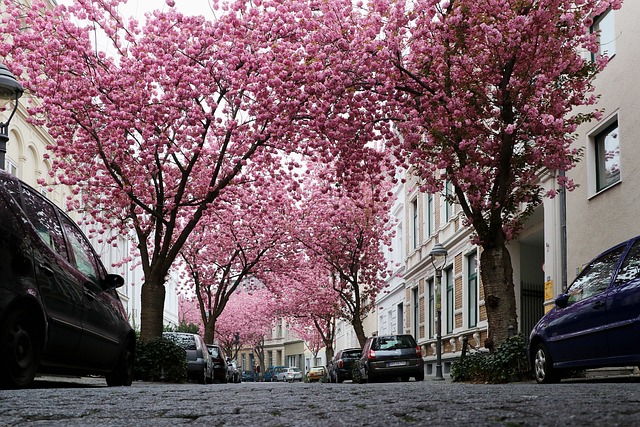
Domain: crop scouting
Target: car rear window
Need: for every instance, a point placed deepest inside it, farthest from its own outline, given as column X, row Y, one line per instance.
column 214, row 352
column 393, row 343
column 187, row 342
column 351, row 354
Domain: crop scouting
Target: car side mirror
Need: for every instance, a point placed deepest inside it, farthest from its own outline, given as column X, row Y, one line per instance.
column 113, row 281
column 562, row 300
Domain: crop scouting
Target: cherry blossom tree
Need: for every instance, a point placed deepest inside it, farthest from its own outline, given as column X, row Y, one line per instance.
column 487, row 93
column 346, row 233
column 246, row 233
column 152, row 130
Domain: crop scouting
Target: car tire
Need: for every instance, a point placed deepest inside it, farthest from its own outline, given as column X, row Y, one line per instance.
column 21, row 346
column 420, row 376
column 543, row 366
column 122, row 375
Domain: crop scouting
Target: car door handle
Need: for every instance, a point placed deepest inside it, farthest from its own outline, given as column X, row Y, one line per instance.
column 598, row 305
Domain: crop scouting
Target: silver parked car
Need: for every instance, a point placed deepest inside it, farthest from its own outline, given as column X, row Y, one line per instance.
column 290, row 374
column 199, row 364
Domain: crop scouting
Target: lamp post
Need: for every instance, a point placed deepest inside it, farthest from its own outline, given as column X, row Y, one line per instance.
column 438, row 259
column 10, row 90
column 236, row 341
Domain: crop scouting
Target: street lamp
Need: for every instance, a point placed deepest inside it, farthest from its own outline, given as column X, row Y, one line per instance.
column 10, row 90
column 438, row 260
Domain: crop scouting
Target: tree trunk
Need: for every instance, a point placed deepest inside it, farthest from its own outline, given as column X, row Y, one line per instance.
column 152, row 309
column 496, row 272
column 209, row 330
column 359, row 330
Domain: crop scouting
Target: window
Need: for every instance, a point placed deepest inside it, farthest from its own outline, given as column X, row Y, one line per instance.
column 607, row 150
column 432, row 309
column 604, row 26
column 596, row 277
column 12, row 168
column 472, row 290
column 630, row 269
column 416, row 312
column 82, row 251
column 43, row 217
column 414, row 223
column 448, row 273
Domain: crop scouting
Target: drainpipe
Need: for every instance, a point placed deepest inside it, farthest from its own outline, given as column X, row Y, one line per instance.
column 563, row 234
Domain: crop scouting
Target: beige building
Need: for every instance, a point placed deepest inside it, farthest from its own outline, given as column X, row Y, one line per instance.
column 602, row 211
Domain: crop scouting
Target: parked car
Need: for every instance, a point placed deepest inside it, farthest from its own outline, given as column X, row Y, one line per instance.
column 317, row 373
column 290, row 374
column 341, row 364
column 391, row 356
column 233, row 373
column 59, row 309
column 271, row 374
column 248, row 376
column 220, row 363
column 199, row 363
column 595, row 322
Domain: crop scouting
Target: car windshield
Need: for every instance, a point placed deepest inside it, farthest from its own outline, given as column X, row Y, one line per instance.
column 393, row 343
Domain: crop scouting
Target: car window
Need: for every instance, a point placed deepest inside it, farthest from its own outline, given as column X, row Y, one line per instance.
column 596, row 277
column 187, row 342
column 82, row 251
column 351, row 354
column 43, row 216
column 631, row 266
column 213, row 351
column 393, row 343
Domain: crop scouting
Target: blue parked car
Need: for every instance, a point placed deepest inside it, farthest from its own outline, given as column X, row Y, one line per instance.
column 596, row 322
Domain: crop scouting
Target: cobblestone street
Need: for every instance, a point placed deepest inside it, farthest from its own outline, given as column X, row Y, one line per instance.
column 86, row 402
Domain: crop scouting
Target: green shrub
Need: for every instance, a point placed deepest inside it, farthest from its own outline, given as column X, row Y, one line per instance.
column 160, row 360
column 508, row 363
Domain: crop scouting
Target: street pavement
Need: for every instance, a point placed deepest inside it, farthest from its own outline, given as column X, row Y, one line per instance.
column 88, row 402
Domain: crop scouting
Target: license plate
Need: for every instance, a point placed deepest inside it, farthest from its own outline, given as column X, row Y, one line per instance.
column 400, row 363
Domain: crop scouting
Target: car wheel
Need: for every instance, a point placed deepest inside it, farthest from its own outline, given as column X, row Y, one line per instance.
column 543, row 366
column 339, row 379
column 420, row 376
column 21, row 345
column 122, row 375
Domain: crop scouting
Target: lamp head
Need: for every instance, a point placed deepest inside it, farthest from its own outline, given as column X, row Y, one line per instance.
column 10, row 88
column 438, row 254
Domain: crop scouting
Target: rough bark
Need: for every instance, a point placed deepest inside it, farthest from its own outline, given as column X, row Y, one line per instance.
column 496, row 272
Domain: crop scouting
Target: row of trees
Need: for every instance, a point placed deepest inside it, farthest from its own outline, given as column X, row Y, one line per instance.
column 186, row 126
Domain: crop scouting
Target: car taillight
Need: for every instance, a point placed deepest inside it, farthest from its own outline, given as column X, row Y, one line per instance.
column 418, row 351
column 340, row 364
column 372, row 354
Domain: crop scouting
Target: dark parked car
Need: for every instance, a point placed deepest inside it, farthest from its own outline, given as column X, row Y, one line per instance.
column 341, row 364
column 199, row 364
column 271, row 374
column 595, row 323
column 59, row 310
column 391, row 356
column 220, row 363
column 248, row 376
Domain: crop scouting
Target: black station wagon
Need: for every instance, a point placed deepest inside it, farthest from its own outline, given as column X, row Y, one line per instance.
column 59, row 311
